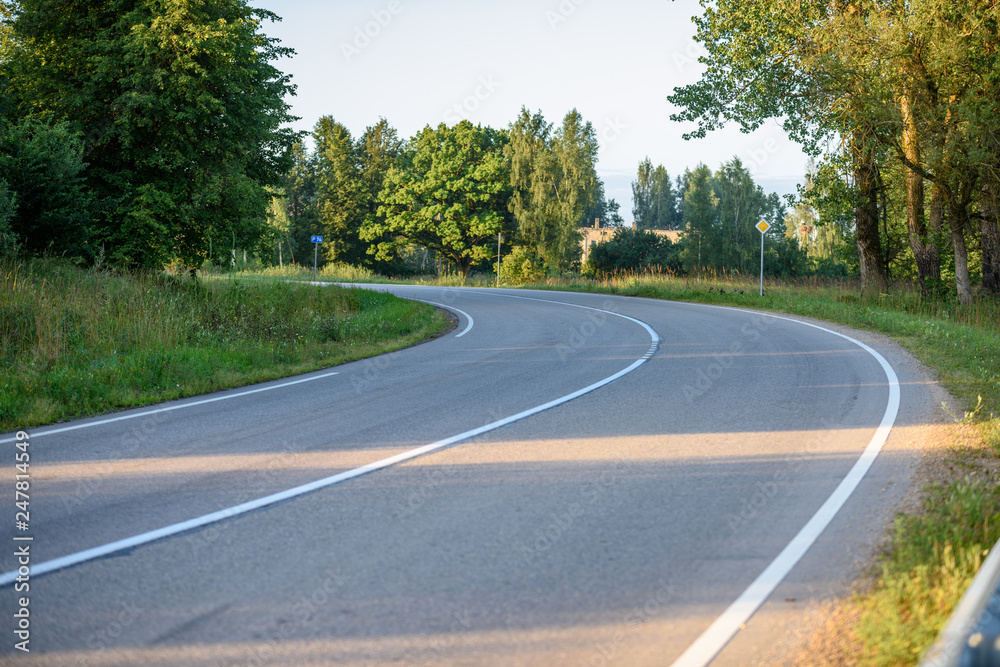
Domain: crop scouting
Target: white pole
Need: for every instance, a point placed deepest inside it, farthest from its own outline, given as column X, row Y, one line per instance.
column 762, row 263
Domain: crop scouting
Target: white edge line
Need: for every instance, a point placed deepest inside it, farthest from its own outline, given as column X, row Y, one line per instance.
column 460, row 312
column 197, row 522
column 191, row 404
column 725, row 627
column 170, row 408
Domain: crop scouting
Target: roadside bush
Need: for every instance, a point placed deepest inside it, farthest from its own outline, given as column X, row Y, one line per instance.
column 632, row 250
column 520, row 267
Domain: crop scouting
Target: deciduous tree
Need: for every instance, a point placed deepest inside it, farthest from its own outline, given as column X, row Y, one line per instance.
column 181, row 110
column 450, row 194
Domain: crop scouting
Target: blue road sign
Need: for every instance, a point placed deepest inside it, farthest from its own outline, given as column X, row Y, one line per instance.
column 317, row 239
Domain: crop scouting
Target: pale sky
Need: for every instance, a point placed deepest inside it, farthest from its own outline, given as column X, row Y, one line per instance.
column 420, row 62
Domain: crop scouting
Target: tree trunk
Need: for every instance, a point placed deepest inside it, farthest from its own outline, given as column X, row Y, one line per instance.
column 936, row 220
column 866, row 218
column 990, row 237
column 956, row 222
column 925, row 252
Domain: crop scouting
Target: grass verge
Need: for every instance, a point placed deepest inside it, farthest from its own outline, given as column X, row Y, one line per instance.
column 76, row 343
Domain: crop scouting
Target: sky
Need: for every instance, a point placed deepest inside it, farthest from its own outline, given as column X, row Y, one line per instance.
column 423, row 62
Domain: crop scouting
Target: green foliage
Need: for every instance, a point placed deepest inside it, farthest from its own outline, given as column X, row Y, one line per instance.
column 634, row 250
column 45, row 202
column 555, row 185
column 9, row 245
column 521, row 267
column 700, row 215
column 181, row 111
column 339, row 194
column 378, row 149
column 932, row 560
column 534, row 180
column 901, row 94
column 449, row 194
column 653, row 198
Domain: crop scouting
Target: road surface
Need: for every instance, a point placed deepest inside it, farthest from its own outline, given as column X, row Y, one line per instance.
column 608, row 476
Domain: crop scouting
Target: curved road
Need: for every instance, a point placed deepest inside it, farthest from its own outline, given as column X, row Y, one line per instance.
column 613, row 525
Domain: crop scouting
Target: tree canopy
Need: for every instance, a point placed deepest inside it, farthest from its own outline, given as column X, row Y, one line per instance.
column 180, row 111
column 448, row 193
column 911, row 84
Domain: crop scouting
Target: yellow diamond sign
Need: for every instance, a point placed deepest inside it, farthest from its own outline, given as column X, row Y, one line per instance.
column 763, row 226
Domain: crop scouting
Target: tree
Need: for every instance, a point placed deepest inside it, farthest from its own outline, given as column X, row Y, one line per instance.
column 279, row 226
column 762, row 64
column 663, row 212
column 700, row 205
column 742, row 204
column 299, row 187
column 378, row 149
column 555, row 187
column 449, row 194
column 533, row 170
column 181, row 110
column 48, row 205
column 654, row 202
column 614, row 218
column 642, row 195
column 576, row 185
column 339, row 192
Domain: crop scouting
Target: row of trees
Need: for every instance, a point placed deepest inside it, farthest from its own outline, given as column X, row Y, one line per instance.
column 655, row 202
column 447, row 190
column 718, row 212
column 905, row 98
column 138, row 134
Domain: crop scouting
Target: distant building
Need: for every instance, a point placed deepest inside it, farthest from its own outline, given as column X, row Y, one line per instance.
column 594, row 235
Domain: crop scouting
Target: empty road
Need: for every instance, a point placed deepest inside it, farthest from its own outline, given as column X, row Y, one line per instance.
column 564, row 479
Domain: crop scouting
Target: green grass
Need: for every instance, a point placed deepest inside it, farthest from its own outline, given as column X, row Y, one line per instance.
column 932, row 559
column 76, row 342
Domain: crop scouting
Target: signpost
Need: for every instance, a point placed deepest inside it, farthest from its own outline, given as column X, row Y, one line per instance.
column 317, row 240
column 762, row 227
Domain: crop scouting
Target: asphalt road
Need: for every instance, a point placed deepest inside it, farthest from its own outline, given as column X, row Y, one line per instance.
column 612, row 527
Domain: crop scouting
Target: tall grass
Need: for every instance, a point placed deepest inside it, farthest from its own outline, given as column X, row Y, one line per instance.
column 330, row 272
column 77, row 342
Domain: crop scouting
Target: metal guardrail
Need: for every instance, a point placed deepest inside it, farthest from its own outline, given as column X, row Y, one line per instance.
column 971, row 638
